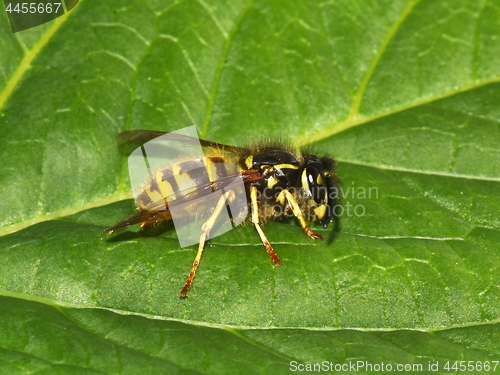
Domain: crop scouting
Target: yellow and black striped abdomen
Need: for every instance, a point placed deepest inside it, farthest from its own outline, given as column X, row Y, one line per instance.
column 191, row 178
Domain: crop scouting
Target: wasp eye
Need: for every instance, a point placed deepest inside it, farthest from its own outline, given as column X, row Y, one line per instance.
column 316, row 186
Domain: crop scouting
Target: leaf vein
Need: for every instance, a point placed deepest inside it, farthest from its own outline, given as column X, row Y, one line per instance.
column 220, row 68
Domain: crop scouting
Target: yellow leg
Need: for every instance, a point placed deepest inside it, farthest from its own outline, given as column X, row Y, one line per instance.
column 298, row 214
column 205, row 230
column 255, row 222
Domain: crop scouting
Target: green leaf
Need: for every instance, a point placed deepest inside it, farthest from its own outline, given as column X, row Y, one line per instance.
column 404, row 95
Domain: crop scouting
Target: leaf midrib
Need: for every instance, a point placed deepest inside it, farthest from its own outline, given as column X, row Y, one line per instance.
column 229, row 327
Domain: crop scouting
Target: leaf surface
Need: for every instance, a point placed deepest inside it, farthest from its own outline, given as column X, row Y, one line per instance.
column 404, row 95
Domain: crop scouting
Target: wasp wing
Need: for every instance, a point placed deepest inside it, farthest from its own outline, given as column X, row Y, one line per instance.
column 157, row 209
column 143, row 136
column 137, row 218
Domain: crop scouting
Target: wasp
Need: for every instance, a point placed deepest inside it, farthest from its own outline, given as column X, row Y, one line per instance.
column 278, row 182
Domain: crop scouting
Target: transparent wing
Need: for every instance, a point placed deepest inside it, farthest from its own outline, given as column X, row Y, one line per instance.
column 143, row 136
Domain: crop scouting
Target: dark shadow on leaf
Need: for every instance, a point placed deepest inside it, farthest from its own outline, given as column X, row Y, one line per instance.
column 336, row 215
column 336, row 228
column 143, row 233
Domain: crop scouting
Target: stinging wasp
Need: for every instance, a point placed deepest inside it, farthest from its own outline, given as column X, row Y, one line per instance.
column 277, row 181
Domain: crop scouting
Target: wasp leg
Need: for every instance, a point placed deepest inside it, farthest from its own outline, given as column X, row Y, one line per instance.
column 255, row 222
column 205, row 230
column 298, row 214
